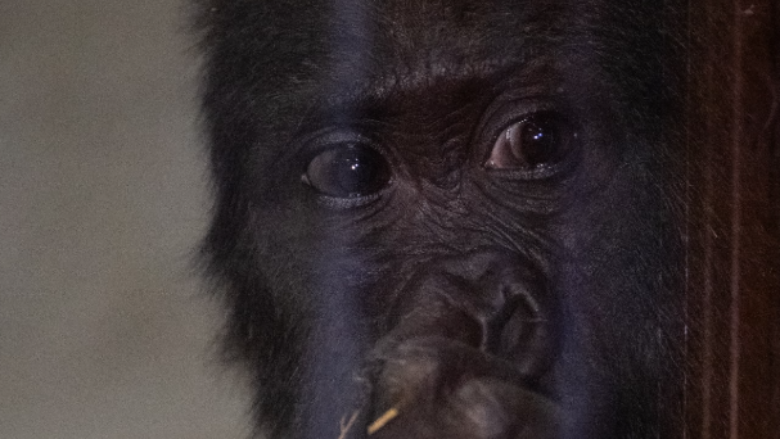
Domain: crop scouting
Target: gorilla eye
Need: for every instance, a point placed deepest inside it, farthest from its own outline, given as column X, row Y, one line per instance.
column 537, row 141
column 348, row 170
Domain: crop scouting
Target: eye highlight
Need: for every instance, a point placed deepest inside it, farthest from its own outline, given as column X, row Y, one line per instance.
column 348, row 170
column 535, row 142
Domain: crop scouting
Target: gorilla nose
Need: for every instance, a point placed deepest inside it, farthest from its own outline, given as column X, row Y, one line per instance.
column 490, row 301
column 471, row 339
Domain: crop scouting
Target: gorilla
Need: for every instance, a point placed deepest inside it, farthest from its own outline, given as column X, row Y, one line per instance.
column 449, row 218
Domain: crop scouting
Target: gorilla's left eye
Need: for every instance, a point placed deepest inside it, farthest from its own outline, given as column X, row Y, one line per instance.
column 348, row 170
column 534, row 142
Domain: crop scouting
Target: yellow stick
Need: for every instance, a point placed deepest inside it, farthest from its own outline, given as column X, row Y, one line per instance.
column 382, row 421
column 346, row 427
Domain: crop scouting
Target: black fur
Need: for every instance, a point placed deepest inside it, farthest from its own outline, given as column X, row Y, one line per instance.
column 478, row 302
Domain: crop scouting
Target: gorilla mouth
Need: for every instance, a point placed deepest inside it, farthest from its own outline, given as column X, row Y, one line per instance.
column 474, row 337
column 432, row 385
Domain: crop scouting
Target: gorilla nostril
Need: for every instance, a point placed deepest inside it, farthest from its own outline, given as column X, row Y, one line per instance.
column 521, row 328
column 527, row 339
column 502, row 329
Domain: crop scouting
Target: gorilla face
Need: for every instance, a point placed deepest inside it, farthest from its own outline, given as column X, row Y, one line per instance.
column 447, row 218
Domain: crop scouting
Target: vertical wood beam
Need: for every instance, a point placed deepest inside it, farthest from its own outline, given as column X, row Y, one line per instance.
column 733, row 221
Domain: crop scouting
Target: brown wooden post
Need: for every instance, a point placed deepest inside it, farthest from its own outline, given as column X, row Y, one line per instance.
column 733, row 221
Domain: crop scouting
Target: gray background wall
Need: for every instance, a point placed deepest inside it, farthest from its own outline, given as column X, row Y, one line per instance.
column 105, row 331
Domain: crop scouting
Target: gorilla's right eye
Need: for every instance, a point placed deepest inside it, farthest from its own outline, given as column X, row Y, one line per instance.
column 536, row 142
column 348, row 170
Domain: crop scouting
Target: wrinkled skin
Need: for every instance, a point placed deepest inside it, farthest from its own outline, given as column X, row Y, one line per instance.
column 388, row 244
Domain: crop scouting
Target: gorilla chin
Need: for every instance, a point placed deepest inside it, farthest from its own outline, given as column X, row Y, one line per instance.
column 448, row 219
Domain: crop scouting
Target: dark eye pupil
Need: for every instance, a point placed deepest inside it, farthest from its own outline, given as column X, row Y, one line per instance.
column 357, row 171
column 538, row 142
column 349, row 170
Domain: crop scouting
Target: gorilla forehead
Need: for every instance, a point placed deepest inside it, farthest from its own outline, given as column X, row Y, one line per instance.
column 370, row 45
